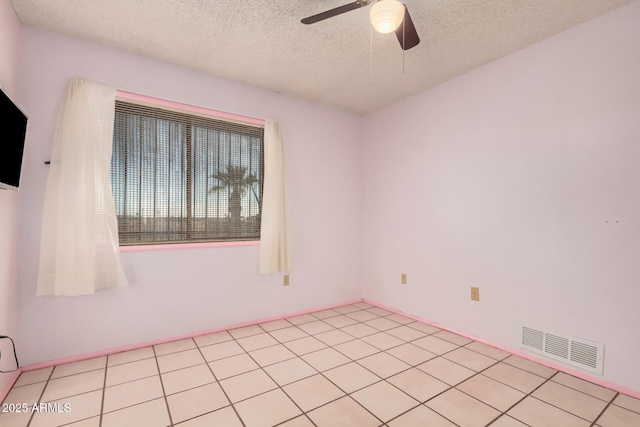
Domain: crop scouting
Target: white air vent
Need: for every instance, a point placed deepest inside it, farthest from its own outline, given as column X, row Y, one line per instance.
column 573, row 351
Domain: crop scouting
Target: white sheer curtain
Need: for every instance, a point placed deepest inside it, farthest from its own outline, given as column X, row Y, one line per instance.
column 79, row 248
column 275, row 230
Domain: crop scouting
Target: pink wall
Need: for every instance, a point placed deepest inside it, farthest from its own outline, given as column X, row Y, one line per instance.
column 504, row 178
column 174, row 292
column 9, row 200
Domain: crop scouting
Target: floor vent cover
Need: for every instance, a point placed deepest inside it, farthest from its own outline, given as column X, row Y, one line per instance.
column 573, row 351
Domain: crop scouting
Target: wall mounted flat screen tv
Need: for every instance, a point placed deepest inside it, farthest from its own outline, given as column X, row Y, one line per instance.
column 12, row 133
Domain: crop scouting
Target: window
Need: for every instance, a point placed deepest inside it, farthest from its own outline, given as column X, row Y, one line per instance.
column 178, row 177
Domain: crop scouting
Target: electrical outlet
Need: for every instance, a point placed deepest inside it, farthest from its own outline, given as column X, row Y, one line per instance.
column 475, row 294
column 285, row 280
column 403, row 279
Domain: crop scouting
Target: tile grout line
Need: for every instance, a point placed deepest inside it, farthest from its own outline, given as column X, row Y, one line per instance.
column 164, row 394
column 605, row 409
column 104, row 390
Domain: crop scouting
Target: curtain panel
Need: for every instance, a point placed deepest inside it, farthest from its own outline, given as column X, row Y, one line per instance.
column 275, row 229
column 79, row 248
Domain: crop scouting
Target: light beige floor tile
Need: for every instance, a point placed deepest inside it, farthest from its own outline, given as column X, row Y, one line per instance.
column 267, row 409
column 317, row 327
column 214, row 338
column 363, row 305
column 312, row 392
column 351, row 377
column 346, row 309
column 362, row 316
column 487, row 350
column 29, row 394
column 225, row 417
column 445, row 370
column 289, row 334
column 221, row 350
column 585, row 387
column 453, row 338
column 356, row 349
column 174, row 347
column 270, row 355
column 383, row 341
column 246, row 331
column 491, row 392
column 325, row 359
column 148, row 414
column 180, row 360
column 334, row 337
column 384, row 400
column 325, row 314
column 462, row 409
column 247, row 385
column 434, row 345
column 131, row 371
column 302, row 319
column 570, row 400
column 383, row 365
column 196, row 401
column 73, row 384
column 616, row 416
column 534, row 412
column 382, row 323
column 514, row 377
column 406, row 333
column 418, row 385
column 507, row 421
column 184, row 379
column 359, row 330
column 132, row 393
column 305, row 345
column 340, row 321
column 411, row 354
column 79, row 367
column 274, row 325
column 32, row 377
column 421, row 417
column 423, row 327
column 289, row 371
column 628, row 402
column 256, row 342
column 529, row 366
column 80, row 407
column 403, row 320
column 234, row 365
column 89, row 422
column 15, row 419
column 379, row 311
column 301, row 421
column 130, row 356
column 344, row 412
column 470, row 359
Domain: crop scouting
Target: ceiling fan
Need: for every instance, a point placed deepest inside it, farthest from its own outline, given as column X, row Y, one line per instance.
column 386, row 16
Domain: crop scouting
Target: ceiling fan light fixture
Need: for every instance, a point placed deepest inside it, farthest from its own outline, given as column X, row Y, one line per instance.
column 386, row 15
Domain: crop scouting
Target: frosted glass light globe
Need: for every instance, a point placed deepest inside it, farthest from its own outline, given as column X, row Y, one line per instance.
column 386, row 15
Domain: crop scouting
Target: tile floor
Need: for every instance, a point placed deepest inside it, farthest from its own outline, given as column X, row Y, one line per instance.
column 356, row 365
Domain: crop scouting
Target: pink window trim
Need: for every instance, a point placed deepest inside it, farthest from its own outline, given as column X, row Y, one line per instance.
column 186, row 107
column 180, row 246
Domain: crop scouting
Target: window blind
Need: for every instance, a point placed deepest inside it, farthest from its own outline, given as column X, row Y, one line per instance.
column 178, row 177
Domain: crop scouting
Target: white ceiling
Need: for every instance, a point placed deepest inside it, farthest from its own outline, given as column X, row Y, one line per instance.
column 262, row 42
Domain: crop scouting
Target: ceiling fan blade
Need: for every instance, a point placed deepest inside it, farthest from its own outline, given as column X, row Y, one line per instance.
column 406, row 32
column 333, row 12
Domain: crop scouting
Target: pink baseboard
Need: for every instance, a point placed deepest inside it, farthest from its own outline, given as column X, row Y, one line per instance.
column 551, row 365
column 12, row 381
column 106, row 352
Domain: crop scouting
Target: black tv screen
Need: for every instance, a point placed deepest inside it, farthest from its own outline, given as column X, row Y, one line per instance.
column 14, row 128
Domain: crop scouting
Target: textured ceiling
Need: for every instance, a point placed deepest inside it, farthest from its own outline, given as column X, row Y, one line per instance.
column 262, row 42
